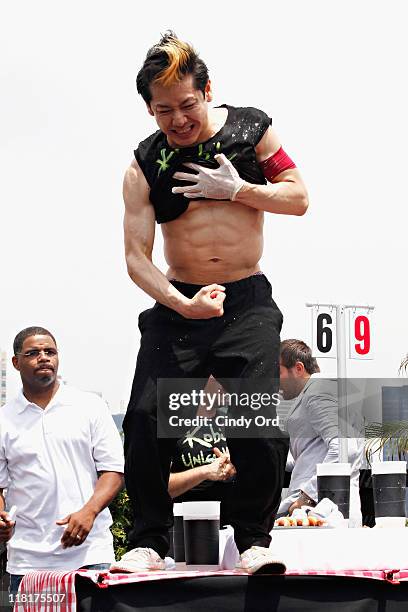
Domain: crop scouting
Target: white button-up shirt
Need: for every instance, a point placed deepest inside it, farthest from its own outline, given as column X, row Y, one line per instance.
column 49, row 459
column 313, row 426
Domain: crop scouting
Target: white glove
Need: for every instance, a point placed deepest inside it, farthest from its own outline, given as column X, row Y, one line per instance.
column 221, row 183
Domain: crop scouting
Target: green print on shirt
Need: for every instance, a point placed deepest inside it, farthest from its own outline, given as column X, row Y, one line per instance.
column 201, row 154
column 164, row 161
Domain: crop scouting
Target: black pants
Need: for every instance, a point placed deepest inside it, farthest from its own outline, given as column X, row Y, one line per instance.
column 243, row 343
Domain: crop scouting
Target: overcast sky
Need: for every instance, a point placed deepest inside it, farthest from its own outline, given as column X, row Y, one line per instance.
column 331, row 74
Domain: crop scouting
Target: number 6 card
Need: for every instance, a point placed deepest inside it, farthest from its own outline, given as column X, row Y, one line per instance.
column 324, row 332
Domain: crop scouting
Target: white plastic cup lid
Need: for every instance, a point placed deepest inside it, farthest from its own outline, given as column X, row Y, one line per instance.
column 390, row 521
column 389, row 467
column 201, row 510
column 178, row 509
column 333, row 469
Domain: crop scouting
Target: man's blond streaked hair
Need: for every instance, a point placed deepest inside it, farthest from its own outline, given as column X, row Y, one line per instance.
column 179, row 54
column 168, row 62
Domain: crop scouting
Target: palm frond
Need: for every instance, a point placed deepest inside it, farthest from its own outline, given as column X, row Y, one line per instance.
column 403, row 365
column 392, row 434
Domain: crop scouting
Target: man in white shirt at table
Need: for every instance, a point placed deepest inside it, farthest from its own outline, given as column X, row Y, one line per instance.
column 312, row 425
column 61, row 461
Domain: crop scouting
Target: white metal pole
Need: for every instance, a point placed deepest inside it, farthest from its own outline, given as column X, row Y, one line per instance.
column 341, row 381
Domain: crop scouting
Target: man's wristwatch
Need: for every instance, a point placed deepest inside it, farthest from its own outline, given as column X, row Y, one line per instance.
column 308, row 501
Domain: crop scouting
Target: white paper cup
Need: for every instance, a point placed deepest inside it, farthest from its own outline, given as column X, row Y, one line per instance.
column 389, row 467
column 333, row 469
column 203, row 510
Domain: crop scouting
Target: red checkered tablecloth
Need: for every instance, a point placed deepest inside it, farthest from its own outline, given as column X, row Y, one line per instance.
column 63, row 583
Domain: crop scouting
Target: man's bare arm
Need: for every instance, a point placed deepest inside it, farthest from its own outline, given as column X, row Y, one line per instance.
column 285, row 195
column 2, row 501
column 80, row 523
column 219, row 469
column 181, row 482
column 139, row 226
column 108, row 485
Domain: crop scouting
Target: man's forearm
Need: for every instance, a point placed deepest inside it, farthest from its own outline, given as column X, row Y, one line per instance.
column 181, row 482
column 283, row 198
column 153, row 282
column 107, row 487
column 2, row 502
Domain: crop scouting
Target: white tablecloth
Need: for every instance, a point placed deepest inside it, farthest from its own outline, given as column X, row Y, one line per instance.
column 330, row 549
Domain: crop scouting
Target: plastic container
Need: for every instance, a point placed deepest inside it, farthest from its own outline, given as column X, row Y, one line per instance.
column 201, row 522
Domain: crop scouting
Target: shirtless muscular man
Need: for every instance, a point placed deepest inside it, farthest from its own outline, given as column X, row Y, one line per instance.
column 207, row 176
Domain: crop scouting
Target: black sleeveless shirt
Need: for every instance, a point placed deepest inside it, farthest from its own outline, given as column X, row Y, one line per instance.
column 237, row 139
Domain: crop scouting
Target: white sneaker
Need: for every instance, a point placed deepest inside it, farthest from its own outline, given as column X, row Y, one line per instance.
column 137, row 560
column 260, row 560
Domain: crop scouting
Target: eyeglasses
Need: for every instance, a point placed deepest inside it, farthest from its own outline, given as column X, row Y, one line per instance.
column 34, row 353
